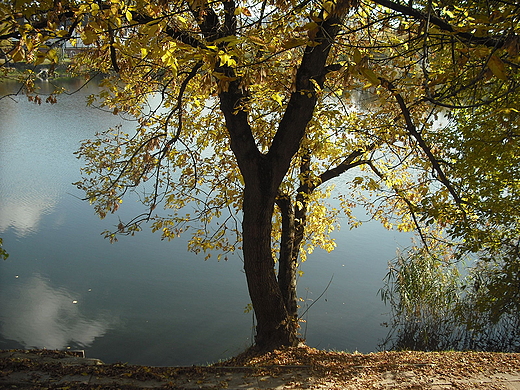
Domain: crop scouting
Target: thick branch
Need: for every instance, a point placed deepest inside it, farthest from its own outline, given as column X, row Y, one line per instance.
column 113, row 55
column 495, row 42
column 288, row 255
column 303, row 100
column 345, row 165
column 240, row 132
column 207, row 20
column 412, row 130
column 230, row 19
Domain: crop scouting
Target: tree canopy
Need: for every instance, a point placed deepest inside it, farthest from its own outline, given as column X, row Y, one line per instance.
column 257, row 106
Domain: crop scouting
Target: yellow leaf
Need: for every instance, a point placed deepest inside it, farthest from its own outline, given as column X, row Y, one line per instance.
column 231, row 39
column 310, row 26
column 18, row 55
column 226, row 59
column 316, row 85
column 278, row 98
column 293, row 42
column 357, row 56
column 40, row 58
column 243, row 11
column 370, row 76
column 52, row 55
column 94, row 8
column 84, row 8
column 498, row 68
column 256, row 40
column 223, row 77
column 151, row 29
column 88, row 36
column 183, row 22
column 329, row 6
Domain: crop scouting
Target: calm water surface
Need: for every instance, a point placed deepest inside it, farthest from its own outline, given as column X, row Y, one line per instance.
column 143, row 300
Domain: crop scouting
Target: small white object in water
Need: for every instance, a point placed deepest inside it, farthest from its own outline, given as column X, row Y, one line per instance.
column 74, row 302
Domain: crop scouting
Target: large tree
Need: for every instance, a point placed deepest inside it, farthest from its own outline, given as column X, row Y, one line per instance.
column 256, row 106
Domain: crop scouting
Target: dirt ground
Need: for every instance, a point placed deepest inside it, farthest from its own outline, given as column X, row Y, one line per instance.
column 398, row 370
column 290, row 368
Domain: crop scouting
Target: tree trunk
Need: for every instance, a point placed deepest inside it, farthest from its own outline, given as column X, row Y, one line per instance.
column 288, row 259
column 275, row 307
column 274, row 324
column 294, row 216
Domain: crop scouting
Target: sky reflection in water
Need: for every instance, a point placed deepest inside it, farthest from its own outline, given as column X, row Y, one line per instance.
column 37, row 315
column 151, row 302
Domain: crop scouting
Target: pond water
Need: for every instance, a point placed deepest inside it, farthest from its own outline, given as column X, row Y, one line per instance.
column 142, row 300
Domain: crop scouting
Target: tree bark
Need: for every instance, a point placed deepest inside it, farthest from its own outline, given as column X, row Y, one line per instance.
column 275, row 307
column 288, row 259
column 274, row 323
column 294, row 216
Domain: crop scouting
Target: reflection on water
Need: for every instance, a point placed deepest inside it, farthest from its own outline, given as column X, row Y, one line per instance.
column 23, row 213
column 38, row 315
column 29, row 191
column 35, row 141
column 167, row 306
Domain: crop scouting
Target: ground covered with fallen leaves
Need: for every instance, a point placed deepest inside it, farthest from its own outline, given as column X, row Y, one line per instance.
column 301, row 367
column 338, row 362
column 377, row 370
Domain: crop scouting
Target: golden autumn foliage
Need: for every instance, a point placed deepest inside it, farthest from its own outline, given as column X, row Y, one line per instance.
column 409, row 110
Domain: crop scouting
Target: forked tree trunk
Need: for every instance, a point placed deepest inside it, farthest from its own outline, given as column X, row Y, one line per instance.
column 274, row 303
column 275, row 326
